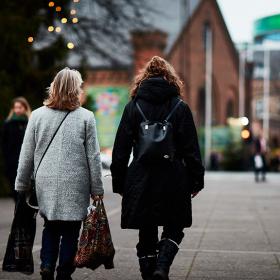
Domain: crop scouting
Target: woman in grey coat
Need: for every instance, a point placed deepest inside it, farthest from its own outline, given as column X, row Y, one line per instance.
column 69, row 173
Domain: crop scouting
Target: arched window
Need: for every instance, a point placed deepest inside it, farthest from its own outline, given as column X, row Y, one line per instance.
column 230, row 109
column 201, row 106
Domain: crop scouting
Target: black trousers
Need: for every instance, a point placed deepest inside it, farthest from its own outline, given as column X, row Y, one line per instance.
column 148, row 238
column 60, row 238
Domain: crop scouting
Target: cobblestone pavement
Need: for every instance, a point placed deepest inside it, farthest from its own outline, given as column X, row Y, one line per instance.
column 235, row 234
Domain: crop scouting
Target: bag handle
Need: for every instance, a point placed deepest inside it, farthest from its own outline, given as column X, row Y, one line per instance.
column 173, row 110
column 50, row 143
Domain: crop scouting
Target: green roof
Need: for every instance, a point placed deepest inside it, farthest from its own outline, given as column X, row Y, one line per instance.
column 267, row 25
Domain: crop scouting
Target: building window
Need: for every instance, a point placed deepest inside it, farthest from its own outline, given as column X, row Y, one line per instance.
column 201, row 106
column 206, row 28
column 230, row 108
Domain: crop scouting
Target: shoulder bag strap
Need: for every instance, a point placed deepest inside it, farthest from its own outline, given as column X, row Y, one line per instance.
column 50, row 143
column 173, row 110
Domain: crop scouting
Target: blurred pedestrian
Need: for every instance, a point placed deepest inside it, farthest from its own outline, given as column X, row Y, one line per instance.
column 12, row 138
column 157, row 188
column 70, row 170
column 260, row 165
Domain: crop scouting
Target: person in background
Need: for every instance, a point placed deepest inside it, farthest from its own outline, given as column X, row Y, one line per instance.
column 12, row 138
column 260, row 165
column 69, row 173
column 157, row 193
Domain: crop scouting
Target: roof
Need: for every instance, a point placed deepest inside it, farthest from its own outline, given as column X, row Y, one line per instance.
column 223, row 24
column 169, row 16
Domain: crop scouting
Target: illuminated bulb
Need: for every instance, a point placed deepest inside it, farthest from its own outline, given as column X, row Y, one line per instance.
column 75, row 20
column 64, row 20
column 51, row 4
column 30, row 39
column 76, row 1
column 73, row 12
column 245, row 134
column 58, row 29
column 58, row 9
column 70, row 45
column 51, row 28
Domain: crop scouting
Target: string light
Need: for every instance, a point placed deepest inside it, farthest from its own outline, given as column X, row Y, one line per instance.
column 50, row 28
column 70, row 45
column 30, row 39
column 64, row 20
column 58, row 29
column 75, row 20
column 51, row 4
column 58, row 9
column 73, row 12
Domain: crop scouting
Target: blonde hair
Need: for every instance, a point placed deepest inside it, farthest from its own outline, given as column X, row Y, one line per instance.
column 157, row 66
column 24, row 103
column 64, row 91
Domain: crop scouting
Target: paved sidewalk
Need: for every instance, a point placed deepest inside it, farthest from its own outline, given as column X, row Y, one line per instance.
column 235, row 234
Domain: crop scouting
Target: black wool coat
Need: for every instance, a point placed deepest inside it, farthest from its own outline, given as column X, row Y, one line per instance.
column 12, row 137
column 157, row 193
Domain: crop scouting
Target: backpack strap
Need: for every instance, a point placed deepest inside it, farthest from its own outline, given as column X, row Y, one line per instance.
column 141, row 112
column 173, row 110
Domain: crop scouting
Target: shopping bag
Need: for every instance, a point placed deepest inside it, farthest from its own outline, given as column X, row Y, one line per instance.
column 258, row 162
column 95, row 244
column 18, row 256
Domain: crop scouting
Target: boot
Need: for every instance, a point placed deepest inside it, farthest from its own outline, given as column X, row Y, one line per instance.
column 147, row 266
column 47, row 274
column 167, row 252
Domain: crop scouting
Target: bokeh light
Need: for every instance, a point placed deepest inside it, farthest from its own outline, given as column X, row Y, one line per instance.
column 70, row 45
column 50, row 28
column 75, row 20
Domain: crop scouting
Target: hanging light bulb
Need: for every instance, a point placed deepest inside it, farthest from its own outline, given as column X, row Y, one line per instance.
column 76, row 1
column 64, row 20
column 58, row 9
column 75, row 20
column 70, row 45
column 51, row 4
column 30, row 39
column 58, row 29
column 50, row 28
column 73, row 12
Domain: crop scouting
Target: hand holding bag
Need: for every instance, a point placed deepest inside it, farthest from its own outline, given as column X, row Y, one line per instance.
column 95, row 244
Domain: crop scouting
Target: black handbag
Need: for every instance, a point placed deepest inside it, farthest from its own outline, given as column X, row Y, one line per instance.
column 31, row 198
column 155, row 139
column 18, row 256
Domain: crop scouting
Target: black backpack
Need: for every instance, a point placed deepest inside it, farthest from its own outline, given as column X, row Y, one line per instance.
column 155, row 139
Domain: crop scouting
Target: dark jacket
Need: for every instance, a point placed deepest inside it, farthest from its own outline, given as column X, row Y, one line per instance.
column 157, row 193
column 12, row 138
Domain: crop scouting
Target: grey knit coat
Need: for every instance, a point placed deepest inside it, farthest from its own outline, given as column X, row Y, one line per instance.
column 71, row 168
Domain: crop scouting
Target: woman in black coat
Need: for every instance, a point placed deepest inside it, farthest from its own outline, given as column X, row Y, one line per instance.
column 12, row 138
column 157, row 193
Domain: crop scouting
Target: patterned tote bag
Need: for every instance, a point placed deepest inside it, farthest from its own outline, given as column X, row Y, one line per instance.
column 95, row 244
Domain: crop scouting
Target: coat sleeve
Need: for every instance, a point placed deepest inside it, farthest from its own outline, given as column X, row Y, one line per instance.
column 191, row 151
column 93, row 157
column 26, row 158
column 121, row 151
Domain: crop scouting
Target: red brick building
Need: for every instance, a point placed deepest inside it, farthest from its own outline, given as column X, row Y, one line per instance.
column 187, row 54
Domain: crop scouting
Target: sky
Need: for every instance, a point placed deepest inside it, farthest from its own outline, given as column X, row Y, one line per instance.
column 240, row 15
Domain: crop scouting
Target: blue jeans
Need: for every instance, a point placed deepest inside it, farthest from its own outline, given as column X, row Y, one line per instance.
column 60, row 238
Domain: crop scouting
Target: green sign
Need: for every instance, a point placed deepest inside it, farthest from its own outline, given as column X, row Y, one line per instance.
column 267, row 25
column 107, row 103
